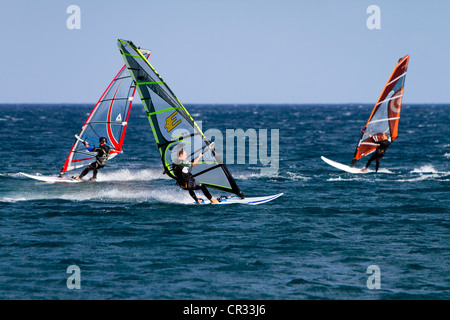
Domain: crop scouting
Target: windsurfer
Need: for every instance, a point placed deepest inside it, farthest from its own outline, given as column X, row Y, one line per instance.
column 101, row 158
column 384, row 143
column 185, row 179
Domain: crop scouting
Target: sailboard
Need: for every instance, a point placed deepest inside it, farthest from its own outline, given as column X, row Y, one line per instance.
column 384, row 118
column 343, row 167
column 250, row 201
column 173, row 127
column 49, row 178
column 108, row 118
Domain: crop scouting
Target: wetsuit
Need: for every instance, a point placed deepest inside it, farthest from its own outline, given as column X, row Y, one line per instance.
column 186, row 181
column 379, row 152
column 101, row 158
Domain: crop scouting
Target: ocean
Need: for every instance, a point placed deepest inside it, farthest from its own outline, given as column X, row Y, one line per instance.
column 135, row 235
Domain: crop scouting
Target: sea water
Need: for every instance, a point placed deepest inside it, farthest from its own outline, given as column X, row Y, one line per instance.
column 134, row 234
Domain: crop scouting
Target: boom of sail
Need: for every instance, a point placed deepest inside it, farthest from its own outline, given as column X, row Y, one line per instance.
column 173, row 127
column 385, row 115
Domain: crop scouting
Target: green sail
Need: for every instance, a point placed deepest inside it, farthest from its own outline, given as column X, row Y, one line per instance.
column 172, row 126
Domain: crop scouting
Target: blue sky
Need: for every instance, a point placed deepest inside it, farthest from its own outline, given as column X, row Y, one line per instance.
column 227, row 51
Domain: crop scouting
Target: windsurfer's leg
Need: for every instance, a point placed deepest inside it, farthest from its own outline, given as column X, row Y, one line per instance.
column 85, row 171
column 205, row 191
column 369, row 162
column 377, row 165
column 193, row 195
column 208, row 194
column 95, row 171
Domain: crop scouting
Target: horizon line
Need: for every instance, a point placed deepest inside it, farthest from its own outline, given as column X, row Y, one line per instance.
column 229, row 103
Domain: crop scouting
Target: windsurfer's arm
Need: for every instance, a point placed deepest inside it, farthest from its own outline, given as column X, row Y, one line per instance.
column 190, row 164
column 196, row 160
column 370, row 136
column 375, row 139
column 86, row 144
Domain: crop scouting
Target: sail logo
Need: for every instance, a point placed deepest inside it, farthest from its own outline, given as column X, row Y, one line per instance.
column 172, row 122
column 119, row 118
column 395, row 103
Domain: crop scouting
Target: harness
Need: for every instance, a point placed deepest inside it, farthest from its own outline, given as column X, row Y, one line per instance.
column 102, row 159
column 383, row 147
column 184, row 180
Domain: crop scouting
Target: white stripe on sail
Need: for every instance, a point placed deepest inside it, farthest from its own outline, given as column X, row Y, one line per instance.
column 402, row 75
column 391, row 98
column 383, row 120
column 369, row 143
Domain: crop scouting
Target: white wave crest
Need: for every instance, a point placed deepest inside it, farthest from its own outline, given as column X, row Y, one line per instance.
column 15, row 175
column 354, row 178
column 111, row 195
column 286, row 175
column 422, row 177
column 119, row 175
column 296, row 177
column 9, row 199
column 427, row 172
column 384, row 170
column 130, row 195
column 132, row 175
column 425, row 169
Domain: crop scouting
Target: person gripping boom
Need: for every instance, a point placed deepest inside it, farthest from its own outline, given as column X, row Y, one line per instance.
column 101, row 159
column 384, row 143
column 185, row 179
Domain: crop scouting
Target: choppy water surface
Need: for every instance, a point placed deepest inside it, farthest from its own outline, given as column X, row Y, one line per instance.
column 135, row 235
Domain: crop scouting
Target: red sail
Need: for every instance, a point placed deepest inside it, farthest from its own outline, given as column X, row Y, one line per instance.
column 109, row 119
column 385, row 115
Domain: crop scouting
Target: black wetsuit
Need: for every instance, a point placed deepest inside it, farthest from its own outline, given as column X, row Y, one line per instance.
column 187, row 182
column 101, row 158
column 379, row 153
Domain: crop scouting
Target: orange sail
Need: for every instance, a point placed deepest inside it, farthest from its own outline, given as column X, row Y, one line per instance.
column 385, row 115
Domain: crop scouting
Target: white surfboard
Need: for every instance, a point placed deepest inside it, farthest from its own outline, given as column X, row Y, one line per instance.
column 343, row 167
column 50, row 179
column 250, row 201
